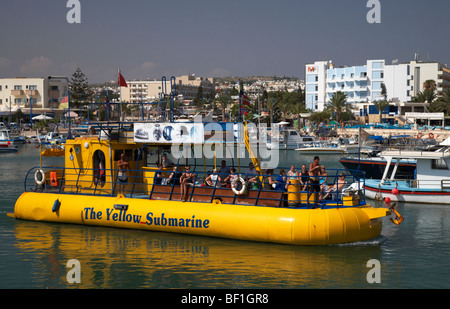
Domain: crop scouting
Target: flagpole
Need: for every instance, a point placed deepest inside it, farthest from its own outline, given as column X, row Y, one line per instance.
column 240, row 101
column 120, row 97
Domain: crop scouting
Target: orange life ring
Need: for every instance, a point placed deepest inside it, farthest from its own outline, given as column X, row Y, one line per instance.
column 431, row 135
column 419, row 135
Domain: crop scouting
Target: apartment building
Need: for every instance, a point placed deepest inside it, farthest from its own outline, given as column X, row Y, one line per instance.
column 363, row 84
column 186, row 88
column 38, row 94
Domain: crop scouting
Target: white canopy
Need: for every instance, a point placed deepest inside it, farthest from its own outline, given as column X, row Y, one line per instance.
column 71, row 115
column 41, row 117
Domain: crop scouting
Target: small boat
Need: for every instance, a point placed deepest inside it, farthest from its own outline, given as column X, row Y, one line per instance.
column 321, row 147
column 6, row 143
column 431, row 184
column 289, row 139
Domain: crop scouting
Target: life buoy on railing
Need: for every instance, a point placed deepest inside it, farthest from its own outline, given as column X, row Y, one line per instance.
column 431, row 135
column 419, row 135
column 42, row 178
column 243, row 183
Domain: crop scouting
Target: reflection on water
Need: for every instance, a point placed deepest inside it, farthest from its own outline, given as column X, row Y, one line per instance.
column 115, row 258
column 34, row 254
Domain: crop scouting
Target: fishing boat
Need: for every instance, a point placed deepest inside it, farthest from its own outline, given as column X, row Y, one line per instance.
column 89, row 189
column 431, row 184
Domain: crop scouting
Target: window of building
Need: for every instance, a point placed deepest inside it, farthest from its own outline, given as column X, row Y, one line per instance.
column 17, row 87
column 32, row 87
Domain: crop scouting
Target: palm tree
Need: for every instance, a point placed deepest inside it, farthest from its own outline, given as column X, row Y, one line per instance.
column 428, row 95
column 338, row 104
column 381, row 106
column 442, row 104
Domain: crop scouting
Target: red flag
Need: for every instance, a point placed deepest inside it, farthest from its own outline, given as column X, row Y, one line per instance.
column 245, row 100
column 121, row 82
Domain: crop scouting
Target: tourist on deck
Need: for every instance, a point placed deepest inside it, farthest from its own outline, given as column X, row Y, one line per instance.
column 228, row 181
column 304, row 175
column 292, row 174
column 174, row 177
column 122, row 176
column 255, row 182
column 250, row 172
column 323, row 181
column 186, row 179
column 337, row 188
column 268, row 182
column 314, row 175
column 224, row 170
column 166, row 161
column 280, row 181
column 157, row 179
column 214, row 180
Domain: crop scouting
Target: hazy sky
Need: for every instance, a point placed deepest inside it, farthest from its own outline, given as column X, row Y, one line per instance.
column 149, row 39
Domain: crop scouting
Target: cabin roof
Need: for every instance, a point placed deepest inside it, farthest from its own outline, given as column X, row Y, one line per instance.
column 409, row 154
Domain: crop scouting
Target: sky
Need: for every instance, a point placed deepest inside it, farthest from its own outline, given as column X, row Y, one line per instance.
column 211, row 38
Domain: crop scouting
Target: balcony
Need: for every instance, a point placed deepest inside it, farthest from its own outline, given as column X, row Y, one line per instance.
column 17, row 93
column 32, row 93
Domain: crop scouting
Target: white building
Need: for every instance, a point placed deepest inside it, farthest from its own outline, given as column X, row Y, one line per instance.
column 363, row 84
column 38, row 94
column 315, row 85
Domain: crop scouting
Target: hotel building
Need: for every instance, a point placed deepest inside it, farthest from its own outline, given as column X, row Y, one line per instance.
column 39, row 94
column 363, row 84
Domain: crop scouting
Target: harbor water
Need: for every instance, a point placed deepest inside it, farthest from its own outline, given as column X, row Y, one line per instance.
column 34, row 255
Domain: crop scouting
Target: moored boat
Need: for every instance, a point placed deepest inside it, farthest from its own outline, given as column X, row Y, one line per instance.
column 430, row 185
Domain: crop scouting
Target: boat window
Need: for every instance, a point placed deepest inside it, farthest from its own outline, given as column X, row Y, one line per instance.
column 99, row 167
column 128, row 153
column 153, row 156
column 439, row 164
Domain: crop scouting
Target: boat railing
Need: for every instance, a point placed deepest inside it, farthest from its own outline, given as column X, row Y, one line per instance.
column 259, row 190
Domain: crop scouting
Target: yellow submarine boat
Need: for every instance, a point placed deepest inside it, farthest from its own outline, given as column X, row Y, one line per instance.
column 86, row 191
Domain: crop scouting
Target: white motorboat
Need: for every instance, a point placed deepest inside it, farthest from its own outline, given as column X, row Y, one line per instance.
column 321, row 147
column 431, row 184
column 289, row 139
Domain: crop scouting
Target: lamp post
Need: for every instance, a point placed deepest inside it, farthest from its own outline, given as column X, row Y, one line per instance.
column 69, row 135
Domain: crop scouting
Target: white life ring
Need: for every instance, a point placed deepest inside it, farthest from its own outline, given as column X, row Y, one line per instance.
column 36, row 176
column 244, row 186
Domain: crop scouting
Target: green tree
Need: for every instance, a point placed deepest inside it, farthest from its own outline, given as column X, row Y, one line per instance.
column 338, row 104
column 442, row 104
column 381, row 106
column 198, row 100
column 428, row 95
column 80, row 91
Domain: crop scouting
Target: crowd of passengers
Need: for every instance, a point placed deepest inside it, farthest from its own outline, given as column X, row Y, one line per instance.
column 313, row 180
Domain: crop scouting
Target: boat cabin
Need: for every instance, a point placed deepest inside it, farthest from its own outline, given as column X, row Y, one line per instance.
column 432, row 168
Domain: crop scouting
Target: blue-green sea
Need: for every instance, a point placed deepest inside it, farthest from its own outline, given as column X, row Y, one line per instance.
column 34, row 255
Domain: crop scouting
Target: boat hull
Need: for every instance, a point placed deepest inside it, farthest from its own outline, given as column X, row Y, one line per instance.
column 253, row 223
column 408, row 195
